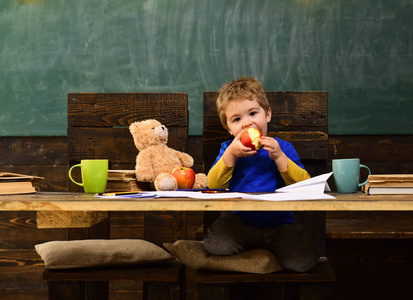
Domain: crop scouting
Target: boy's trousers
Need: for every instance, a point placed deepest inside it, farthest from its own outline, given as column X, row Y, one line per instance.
column 228, row 235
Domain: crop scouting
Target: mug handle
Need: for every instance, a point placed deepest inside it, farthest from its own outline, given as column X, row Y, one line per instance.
column 363, row 166
column 70, row 175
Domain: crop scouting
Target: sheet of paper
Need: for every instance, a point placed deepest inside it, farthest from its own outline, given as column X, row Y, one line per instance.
column 276, row 196
column 310, row 189
column 198, row 195
column 316, row 184
column 290, row 196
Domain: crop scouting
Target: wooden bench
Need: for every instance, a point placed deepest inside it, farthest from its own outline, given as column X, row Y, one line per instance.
column 302, row 119
column 98, row 128
column 162, row 281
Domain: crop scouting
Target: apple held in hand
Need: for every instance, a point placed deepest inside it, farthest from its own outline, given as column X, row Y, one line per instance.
column 251, row 138
column 184, row 176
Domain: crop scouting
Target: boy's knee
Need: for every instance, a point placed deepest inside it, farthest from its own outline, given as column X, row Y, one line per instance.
column 229, row 236
column 221, row 243
column 294, row 251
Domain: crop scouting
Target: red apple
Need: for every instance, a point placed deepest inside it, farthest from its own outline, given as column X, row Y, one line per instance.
column 184, row 176
column 251, row 138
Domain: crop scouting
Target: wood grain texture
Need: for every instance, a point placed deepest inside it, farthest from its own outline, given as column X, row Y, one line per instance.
column 23, row 225
column 86, row 202
column 122, row 109
column 369, row 225
column 21, row 271
column 33, row 150
column 69, row 219
column 289, row 109
column 115, row 144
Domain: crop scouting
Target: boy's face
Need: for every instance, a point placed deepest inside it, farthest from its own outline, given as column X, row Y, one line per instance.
column 244, row 113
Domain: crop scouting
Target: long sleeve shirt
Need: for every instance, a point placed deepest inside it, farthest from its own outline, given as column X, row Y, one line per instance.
column 258, row 173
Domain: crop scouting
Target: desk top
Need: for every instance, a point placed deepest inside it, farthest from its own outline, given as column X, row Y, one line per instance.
column 86, row 202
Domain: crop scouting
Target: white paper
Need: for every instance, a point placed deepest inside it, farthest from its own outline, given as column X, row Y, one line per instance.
column 310, row 189
column 198, row 195
column 290, row 196
column 316, row 184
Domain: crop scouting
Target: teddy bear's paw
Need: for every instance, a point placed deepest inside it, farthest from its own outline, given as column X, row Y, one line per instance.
column 200, row 181
column 165, row 182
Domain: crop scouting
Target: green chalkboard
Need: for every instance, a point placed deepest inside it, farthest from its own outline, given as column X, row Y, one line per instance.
column 361, row 52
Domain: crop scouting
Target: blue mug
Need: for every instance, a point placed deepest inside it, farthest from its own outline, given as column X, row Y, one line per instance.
column 346, row 173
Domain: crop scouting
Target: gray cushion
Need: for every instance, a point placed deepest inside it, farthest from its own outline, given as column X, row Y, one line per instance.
column 194, row 256
column 94, row 253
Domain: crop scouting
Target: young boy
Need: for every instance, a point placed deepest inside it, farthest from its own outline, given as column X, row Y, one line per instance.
column 242, row 104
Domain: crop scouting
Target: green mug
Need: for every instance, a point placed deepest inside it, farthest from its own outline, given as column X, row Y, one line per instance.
column 94, row 175
column 346, row 173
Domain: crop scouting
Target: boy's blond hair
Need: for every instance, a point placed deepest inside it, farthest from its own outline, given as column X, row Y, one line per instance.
column 245, row 87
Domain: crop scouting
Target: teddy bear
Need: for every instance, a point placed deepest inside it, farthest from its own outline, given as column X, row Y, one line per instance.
column 155, row 160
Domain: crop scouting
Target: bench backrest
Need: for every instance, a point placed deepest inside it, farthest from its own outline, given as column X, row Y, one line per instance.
column 98, row 128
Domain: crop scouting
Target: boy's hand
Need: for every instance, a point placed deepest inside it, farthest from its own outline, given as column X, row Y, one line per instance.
column 272, row 146
column 236, row 150
column 275, row 152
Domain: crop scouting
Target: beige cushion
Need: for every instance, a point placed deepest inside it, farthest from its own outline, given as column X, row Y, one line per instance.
column 94, row 253
column 194, row 255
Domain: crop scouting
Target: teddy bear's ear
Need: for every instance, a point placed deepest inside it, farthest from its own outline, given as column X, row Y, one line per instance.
column 133, row 127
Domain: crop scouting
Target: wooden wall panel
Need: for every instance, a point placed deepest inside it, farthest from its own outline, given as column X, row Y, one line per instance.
column 21, row 267
column 91, row 109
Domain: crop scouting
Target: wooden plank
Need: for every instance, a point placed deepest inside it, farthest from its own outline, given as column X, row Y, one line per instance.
column 115, row 144
column 288, row 109
column 122, row 109
column 165, row 227
column 69, row 219
column 23, row 226
column 12, row 294
column 33, row 150
column 21, row 270
column 383, row 154
column 165, row 272
column 370, row 225
column 322, row 272
column 86, row 202
column 126, row 225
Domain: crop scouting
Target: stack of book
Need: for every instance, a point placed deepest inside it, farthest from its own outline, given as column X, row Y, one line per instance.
column 389, row 184
column 124, row 181
column 12, row 183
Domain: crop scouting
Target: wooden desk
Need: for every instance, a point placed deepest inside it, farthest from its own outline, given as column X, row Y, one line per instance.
column 74, row 210
column 86, row 202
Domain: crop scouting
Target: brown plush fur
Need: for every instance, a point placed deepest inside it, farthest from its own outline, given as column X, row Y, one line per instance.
column 156, row 160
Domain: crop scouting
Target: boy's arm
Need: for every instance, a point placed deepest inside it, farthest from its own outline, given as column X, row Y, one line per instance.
column 294, row 173
column 219, row 175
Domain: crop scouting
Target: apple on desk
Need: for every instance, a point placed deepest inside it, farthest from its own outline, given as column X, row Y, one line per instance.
column 185, row 177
